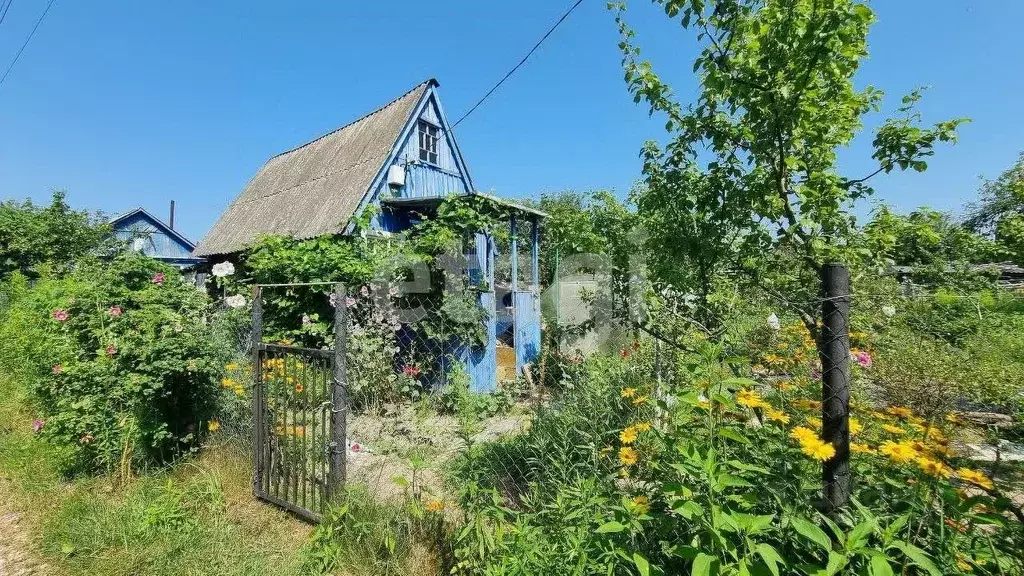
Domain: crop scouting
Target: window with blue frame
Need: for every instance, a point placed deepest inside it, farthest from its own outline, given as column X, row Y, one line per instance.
column 429, row 135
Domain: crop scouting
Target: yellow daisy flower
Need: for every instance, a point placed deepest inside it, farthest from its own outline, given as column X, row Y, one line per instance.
column 975, row 477
column 777, row 415
column 628, row 436
column 628, row 392
column 893, row 429
column 628, row 456
column 898, row 451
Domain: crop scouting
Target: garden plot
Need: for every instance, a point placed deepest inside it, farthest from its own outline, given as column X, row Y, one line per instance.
column 401, row 452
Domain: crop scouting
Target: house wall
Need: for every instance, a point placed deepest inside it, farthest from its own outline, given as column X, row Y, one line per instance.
column 141, row 234
column 423, row 180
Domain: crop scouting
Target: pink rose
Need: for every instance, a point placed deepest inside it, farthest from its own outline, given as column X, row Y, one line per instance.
column 60, row 315
column 864, row 359
column 111, row 350
column 37, row 425
column 115, row 311
column 158, row 278
column 57, row 368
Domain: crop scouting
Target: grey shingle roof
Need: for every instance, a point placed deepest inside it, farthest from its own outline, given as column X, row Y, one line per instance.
column 313, row 189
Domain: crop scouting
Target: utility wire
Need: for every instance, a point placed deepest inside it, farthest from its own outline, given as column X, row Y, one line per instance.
column 521, row 62
column 29, row 38
column 4, row 9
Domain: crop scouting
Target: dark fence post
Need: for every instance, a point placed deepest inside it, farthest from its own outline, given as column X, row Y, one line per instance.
column 257, row 391
column 339, row 395
column 834, row 350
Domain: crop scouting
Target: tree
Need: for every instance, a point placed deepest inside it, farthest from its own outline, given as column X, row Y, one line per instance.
column 751, row 162
column 32, row 235
column 1000, row 210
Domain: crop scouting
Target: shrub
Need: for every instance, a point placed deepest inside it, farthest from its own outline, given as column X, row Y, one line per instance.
column 118, row 361
column 722, row 475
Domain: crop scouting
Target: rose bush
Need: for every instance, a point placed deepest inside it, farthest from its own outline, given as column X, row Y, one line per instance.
column 118, row 359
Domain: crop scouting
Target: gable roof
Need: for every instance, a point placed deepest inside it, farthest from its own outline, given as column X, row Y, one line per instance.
column 158, row 223
column 316, row 188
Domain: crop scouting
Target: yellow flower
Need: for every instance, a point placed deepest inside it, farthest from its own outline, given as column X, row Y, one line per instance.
column 893, row 429
column 805, row 403
column 213, row 426
column 704, row 404
column 963, row 566
column 239, row 391
column 641, row 504
column 231, row 367
column 855, row 426
column 814, row 422
column 975, row 477
column 750, row 399
column 862, row 448
column 898, row 411
column 639, row 400
column 435, row 506
column 777, row 415
column 628, row 392
column 934, row 467
column 817, row 449
column 801, row 434
column 628, row 456
column 643, row 426
column 299, row 387
column 628, row 436
column 898, row 451
column 227, row 383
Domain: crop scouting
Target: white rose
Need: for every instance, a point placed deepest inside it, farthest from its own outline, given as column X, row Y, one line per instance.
column 236, row 301
column 223, row 269
column 773, row 322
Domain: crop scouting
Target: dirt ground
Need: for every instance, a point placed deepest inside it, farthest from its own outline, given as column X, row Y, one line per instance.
column 16, row 558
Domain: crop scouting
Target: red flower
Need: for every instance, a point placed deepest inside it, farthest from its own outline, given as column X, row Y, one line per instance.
column 412, row 371
column 625, row 352
column 636, row 346
column 60, row 315
column 115, row 311
column 158, row 278
column 111, row 350
column 355, row 447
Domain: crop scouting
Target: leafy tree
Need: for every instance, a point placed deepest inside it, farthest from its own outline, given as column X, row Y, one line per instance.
column 31, row 235
column 753, row 158
column 925, row 237
column 585, row 223
column 1000, row 210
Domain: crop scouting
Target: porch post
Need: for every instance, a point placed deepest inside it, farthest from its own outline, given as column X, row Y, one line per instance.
column 535, row 242
column 514, row 253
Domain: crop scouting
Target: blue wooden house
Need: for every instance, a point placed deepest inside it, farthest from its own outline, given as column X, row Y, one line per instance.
column 145, row 233
column 402, row 159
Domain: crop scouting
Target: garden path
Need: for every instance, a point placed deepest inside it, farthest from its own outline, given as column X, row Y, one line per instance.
column 15, row 546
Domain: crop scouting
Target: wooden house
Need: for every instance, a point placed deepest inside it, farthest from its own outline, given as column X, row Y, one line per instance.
column 145, row 233
column 403, row 159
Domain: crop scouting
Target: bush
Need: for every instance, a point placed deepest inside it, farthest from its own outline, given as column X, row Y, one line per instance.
column 117, row 359
column 722, row 475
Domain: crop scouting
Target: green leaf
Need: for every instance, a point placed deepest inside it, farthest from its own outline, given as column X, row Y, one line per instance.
column 703, row 565
column 771, row 557
column 612, row 526
column 642, row 565
column 917, row 556
column 809, row 530
column 733, row 435
column 880, row 566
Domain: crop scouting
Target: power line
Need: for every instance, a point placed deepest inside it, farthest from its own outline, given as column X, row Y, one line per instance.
column 29, row 38
column 521, row 62
column 4, row 9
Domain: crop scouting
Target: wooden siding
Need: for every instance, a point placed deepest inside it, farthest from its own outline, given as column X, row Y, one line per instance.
column 142, row 234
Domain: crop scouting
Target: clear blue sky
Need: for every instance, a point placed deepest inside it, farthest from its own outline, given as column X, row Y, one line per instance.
column 126, row 103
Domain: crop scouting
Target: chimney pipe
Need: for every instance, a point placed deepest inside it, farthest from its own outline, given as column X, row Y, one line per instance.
column 171, row 223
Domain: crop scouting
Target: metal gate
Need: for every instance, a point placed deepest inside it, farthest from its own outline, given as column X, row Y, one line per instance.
column 299, row 409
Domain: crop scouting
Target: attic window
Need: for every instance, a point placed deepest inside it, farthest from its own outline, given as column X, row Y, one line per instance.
column 428, row 142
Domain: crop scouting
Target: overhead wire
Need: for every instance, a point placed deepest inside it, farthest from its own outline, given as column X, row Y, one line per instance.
column 4, row 8
column 27, row 40
column 520, row 63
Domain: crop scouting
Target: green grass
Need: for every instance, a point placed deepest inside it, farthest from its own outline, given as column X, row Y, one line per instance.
column 195, row 519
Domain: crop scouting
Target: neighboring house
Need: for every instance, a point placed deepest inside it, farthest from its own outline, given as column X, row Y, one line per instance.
column 147, row 234
column 403, row 159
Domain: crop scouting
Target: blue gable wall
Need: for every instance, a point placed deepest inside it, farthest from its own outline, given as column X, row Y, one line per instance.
column 422, row 179
column 153, row 238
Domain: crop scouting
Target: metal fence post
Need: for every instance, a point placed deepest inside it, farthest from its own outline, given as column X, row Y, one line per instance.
column 834, row 350
column 257, row 392
column 339, row 395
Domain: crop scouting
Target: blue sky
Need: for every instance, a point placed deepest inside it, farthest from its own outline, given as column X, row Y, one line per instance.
column 126, row 103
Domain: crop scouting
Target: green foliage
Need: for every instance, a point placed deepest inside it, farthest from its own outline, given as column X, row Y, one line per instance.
column 590, row 223
column 719, row 475
column 1000, row 206
column 360, row 536
column 751, row 168
column 925, row 238
column 117, row 360
column 33, row 235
